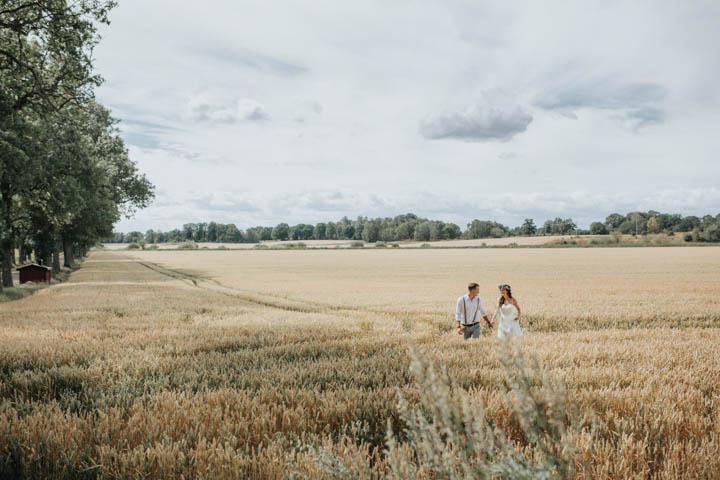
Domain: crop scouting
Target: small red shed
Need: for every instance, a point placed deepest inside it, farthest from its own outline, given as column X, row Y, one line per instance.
column 34, row 273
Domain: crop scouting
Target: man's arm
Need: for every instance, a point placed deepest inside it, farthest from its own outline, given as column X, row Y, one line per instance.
column 484, row 314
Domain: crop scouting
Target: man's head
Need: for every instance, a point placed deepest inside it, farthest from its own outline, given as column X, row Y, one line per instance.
column 473, row 289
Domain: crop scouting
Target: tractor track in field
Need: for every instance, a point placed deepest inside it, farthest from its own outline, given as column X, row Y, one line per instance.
column 256, row 298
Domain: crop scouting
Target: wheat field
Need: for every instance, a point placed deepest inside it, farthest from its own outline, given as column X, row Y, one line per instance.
column 241, row 364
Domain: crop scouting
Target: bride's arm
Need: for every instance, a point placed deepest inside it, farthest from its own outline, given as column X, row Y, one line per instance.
column 497, row 307
column 517, row 306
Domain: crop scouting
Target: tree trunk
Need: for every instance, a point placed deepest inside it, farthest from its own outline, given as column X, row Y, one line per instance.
column 22, row 255
column 7, row 250
column 67, row 251
column 56, row 260
column 46, row 259
column 7, row 243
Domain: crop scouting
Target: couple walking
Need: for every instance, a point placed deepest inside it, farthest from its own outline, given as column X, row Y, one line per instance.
column 469, row 309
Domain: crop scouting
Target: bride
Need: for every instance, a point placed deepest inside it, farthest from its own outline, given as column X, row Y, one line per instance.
column 509, row 324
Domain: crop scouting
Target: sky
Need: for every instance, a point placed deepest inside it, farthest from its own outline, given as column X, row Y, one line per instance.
column 257, row 113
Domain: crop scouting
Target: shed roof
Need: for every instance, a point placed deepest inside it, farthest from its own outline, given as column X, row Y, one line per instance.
column 33, row 265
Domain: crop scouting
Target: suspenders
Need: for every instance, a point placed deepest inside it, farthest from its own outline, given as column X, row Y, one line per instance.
column 474, row 315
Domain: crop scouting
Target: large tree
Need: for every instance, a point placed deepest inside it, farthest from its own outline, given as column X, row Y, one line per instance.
column 45, row 64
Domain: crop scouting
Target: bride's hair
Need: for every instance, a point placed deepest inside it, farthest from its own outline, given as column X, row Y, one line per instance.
column 502, row 297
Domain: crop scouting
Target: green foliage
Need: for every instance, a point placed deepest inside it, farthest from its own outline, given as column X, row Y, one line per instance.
column 66, row 176
column 485, row 229
column 528, row 228
column 46, row 55
column 281, row 232
column 412, row 227
column 449, row 435
column 598, row 228
column 712, row 233
column 357, row 244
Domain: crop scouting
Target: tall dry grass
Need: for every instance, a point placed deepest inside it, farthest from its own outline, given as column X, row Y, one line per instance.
column 131, row 371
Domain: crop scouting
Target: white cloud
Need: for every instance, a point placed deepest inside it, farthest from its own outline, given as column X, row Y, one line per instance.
column 482, row 121
column 245, row 109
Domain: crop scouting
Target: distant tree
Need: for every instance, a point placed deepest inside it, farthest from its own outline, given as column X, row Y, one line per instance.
column 233, row 234
column 484, row 229
column 639, row 222
column 712, row 233
column 613, row 221
column 598, row 228
column 627, row 227
column 189, row 230
column 405, row 230
column 687, row 224
column 330, row 231
column 528, row 227
column 497, row 232
column 547, row 227
column 134, row 237
column 252, row 235
column 452, row 231
column 281, row 232
column 652, row 225
column 212, row 232
column 319, row 231
column 201, row 232
column 422, row 232
column 371, row 232
column 388, row 234
column 437, row 231
column 264, row 233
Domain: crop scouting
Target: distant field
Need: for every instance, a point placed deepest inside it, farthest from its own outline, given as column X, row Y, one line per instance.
column 491, row 242
column 347, row 243
column 216, row 364
column 569, row 240
column 561, row 288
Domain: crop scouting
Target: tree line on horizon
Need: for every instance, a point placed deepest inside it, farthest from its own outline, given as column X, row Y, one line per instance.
column 411, row 227
column 65, row 174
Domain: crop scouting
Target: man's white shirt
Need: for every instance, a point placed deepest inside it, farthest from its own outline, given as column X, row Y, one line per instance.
column 473, row 308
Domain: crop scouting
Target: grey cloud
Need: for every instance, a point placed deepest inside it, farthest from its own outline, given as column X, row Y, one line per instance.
column 146, row 134
column 640, row 102
column 480, row 122
column 256, row 61
column 602, row 95
column 201, row 110
column 646, row 116
column 225, row 202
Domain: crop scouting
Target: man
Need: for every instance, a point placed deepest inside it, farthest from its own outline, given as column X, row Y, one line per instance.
column 469, row 307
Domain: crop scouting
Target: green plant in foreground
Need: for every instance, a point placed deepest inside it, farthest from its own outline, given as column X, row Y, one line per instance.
column 451, row 436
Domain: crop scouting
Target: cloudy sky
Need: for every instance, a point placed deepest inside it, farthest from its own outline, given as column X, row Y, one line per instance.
column 261, row 112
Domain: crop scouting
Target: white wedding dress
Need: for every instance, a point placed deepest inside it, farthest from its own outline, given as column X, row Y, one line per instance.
column 508, row 326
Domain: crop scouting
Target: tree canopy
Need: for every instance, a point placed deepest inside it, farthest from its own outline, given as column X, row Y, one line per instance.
column 65, row 174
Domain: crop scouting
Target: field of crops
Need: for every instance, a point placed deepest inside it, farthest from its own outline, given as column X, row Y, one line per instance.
column 264, row 364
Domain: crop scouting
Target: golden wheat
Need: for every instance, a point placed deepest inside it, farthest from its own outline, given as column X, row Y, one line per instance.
column 233, row 364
